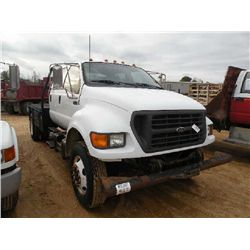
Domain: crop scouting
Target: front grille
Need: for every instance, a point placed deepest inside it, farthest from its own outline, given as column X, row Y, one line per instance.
column 165, row 130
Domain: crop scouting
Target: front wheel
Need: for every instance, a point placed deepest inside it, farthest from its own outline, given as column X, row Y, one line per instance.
column 85, row 173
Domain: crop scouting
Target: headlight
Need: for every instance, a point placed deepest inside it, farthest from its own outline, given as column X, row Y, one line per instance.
column 8, row 154
column 210, row 129
column 109, row 140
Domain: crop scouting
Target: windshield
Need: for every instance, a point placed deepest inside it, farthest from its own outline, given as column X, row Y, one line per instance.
column 105, row 74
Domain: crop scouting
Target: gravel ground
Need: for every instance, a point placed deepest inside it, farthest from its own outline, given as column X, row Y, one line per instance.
column 46, row 189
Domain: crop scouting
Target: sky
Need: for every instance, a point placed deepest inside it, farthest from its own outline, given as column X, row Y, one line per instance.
column 202, row 55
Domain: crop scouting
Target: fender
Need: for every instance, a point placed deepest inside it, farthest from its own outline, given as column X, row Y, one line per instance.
column 9, row 139
column 97, row 116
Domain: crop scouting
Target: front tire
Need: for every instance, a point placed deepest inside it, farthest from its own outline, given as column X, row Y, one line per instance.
column 85, row 174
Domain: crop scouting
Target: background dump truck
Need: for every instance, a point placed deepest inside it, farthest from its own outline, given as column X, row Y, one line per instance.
column 119, row 130
column 17, row 94
column 230, row 109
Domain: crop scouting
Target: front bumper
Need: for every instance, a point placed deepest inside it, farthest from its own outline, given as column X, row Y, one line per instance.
column 117, row 185
column 10, row 182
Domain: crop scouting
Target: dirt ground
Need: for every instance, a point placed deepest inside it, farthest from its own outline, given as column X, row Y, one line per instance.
column 46, row 189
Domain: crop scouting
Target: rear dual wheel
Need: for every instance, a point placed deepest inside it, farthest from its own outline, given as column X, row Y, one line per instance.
column 24, row 108
column 85, row 174
column 9, row 108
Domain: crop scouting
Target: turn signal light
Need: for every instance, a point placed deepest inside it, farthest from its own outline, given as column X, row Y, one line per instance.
column 99, row 140
column 9, row 154
column 109, row 140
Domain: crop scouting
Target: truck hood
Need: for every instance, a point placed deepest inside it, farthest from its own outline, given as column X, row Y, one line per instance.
column 132, row 99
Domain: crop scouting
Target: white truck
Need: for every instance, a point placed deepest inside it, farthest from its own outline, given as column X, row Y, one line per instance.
column 119, row 130
column 10, row 171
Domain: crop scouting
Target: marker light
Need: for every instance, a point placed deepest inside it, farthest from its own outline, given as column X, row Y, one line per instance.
column 210, row 129
column 8, row 154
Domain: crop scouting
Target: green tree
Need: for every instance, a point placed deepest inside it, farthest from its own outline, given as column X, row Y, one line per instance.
column 5, row 75
column 186, row 79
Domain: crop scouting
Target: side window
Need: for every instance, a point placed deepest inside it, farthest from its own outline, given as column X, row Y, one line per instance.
column 71, row 79
column 74, row 74
column 57, row 79
column 246, row 84
column 66, row 80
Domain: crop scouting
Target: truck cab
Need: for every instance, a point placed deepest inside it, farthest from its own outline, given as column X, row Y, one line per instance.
column 97, row 97
column 240, row 102
column 110, row 120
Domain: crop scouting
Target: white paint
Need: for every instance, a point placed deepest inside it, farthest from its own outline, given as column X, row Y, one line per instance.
column 238, row 87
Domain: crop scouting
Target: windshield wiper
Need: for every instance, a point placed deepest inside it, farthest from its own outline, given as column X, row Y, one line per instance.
column 114, row 82
column 135, row 85
column 147, row 85
column 105, row 81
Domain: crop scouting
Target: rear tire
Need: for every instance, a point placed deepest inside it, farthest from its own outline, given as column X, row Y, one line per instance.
column 34, row 131
column 85, row 174
column 24, row 108
column 10, row 108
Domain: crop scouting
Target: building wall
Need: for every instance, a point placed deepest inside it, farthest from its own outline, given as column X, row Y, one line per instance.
column 179, row 87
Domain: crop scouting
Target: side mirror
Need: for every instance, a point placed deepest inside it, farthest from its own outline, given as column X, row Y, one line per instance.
column 14, row 76
column 57, row 76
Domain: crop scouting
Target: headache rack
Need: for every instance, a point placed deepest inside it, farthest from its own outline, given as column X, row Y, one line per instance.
column 166, row 130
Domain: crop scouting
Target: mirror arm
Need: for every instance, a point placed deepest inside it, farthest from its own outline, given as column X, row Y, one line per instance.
column 45, row 88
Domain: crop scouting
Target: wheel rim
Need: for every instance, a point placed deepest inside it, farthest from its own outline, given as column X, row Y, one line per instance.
column 79, row 175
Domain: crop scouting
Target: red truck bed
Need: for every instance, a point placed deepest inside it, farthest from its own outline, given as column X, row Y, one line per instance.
column 29, row 92
column 26, row 92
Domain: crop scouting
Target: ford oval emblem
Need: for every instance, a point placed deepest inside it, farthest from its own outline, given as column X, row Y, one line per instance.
column 180, row 130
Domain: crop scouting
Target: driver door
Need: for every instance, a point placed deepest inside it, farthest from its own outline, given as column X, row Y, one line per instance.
column 65, row 95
